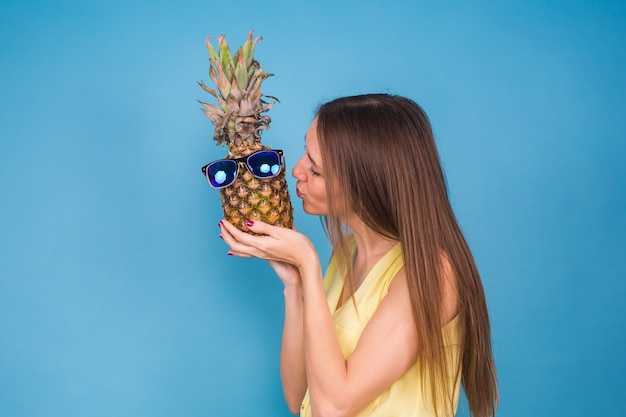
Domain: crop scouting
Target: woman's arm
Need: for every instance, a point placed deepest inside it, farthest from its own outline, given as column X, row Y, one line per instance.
column 386, row 350
column 292, row 368
column 292, row 371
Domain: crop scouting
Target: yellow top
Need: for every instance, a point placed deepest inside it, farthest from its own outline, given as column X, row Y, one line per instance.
column 404, row 397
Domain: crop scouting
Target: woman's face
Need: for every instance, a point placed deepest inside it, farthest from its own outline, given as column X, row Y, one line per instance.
column 311, row 185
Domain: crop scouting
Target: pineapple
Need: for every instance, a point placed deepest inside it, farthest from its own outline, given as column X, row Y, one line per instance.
column 238, row 123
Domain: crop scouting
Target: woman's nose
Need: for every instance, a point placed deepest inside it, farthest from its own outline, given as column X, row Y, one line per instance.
column 297, row 170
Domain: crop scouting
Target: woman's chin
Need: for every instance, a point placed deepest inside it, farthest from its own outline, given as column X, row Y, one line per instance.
column 310, row 210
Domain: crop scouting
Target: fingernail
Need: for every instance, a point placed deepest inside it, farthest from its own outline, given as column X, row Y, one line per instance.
column 221, row 237
column 249, row 223
column 219, row 224
column 230, row 254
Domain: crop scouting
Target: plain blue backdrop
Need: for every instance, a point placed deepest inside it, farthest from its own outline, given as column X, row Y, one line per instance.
column 116, row 294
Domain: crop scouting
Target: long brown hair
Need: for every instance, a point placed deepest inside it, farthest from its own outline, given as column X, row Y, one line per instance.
column 380, row 151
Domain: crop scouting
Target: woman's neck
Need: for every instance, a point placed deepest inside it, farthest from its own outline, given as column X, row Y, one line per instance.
column 370, row 247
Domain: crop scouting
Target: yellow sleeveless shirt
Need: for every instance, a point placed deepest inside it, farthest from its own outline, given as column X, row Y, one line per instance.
column 404, row 398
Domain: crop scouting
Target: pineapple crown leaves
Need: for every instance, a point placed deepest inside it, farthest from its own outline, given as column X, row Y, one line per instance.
column 238, row 77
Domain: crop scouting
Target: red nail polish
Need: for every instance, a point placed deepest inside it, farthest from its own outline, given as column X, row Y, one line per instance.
column 249, row 223
column 230, row 254
column 221, row 237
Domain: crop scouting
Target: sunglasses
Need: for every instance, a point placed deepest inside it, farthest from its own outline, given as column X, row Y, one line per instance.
column 261, row 164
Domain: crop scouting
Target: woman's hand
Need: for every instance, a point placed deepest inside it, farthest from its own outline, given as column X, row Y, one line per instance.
column 286, row 250
column 288, row 274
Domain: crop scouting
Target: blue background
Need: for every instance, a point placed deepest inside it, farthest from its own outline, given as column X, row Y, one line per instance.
column 116, row 294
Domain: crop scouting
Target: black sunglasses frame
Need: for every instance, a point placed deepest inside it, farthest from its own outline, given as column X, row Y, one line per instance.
column 244, row 160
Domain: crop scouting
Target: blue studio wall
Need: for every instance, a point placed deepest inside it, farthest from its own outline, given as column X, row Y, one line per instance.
column 116, row 294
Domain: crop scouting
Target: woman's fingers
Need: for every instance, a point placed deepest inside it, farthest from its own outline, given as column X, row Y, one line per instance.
column 244, row 244
column 232, row 237
column 260, row 227
column 269, row 242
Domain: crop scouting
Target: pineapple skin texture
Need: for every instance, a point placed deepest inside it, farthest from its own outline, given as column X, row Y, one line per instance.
column 251, row 198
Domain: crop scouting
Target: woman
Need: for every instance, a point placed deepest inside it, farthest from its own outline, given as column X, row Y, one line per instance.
column 400, row 319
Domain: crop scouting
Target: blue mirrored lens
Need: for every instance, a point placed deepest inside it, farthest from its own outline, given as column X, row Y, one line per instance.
column 221, row 173
column 264, row 164
column 220, row 177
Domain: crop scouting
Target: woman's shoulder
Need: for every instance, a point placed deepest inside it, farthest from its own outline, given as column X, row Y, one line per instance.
column 449, row 282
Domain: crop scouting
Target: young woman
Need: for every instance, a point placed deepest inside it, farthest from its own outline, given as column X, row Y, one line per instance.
column 400, row 319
